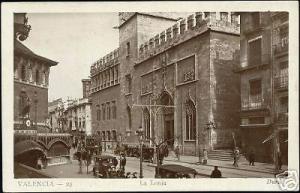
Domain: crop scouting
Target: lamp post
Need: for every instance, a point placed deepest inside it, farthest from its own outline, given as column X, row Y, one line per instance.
column 140, row 134
column 35, row 108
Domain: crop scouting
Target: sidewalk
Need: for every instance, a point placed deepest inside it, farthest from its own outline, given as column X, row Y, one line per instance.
column 243, row 165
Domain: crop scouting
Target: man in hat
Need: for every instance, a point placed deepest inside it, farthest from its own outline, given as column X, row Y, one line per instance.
column 216, row 173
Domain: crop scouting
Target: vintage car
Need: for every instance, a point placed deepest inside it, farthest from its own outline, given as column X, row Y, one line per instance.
column 148, row 153
column 105, row 166
column 174, row 171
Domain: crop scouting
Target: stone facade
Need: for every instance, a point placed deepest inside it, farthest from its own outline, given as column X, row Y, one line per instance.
column 176, row 80
column 264, row 82
column 31, row 75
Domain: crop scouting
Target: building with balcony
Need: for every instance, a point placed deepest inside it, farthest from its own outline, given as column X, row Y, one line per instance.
column 263, row 71
column 173, row 76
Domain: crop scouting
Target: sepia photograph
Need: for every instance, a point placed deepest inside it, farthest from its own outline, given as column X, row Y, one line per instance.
column 152, row 96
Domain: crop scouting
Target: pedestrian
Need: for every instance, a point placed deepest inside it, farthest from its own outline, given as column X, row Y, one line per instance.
column 123, row 162
column 216, row 173
column 279, row 161
column 177, row 152
column 115, row 162
column 236, row 157
column 205, row 156
column 251, row 158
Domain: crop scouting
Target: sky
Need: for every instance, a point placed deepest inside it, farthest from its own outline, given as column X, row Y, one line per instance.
column 75, row 41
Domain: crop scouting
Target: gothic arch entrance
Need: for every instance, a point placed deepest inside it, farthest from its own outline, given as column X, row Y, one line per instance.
column 167, row 118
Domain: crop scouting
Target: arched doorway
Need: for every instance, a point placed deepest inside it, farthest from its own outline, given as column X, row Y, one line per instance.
column 167, row 118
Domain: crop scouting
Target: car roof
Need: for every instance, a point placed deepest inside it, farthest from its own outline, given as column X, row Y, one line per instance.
column 104, row 157
column 178, row 168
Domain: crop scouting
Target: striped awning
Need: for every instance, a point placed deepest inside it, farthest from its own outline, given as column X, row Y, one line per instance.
column 26, row 145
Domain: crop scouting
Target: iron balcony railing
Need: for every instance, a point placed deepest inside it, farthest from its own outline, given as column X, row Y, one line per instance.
column 281, row 82
column 282, row 117
column 253, row 103
column 280, row 48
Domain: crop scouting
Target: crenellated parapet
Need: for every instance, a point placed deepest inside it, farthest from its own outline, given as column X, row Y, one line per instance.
column 188, row 28
column 105, row 62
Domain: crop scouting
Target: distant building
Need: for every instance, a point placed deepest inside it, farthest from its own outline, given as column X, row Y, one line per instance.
column 168, row 60
column 55, row 113
column 72, row 116
column 264, row 83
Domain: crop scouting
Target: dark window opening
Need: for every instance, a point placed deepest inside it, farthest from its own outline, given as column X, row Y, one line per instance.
column 255, row 52
column 128, row 48
column 255, row 87
column 256, row 120
column 23, row 73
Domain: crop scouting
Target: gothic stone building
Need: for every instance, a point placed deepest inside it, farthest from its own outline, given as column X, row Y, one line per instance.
column 172, row 77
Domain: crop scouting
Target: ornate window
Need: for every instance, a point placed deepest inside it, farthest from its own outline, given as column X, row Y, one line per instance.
column 190, row 121
column 103, row 112
column 108, row 135
column 30, row 74
column 37, row 77
column 23, row 73
column 114, row 110
column 108, row 110
column 114, row 135
column 103, row 135
column 147, row 123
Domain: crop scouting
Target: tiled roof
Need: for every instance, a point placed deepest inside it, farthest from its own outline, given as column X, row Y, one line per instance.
column 21, row 48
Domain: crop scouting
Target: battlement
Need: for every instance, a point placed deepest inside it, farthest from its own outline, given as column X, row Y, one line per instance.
column 188, row 28
column 105, row 62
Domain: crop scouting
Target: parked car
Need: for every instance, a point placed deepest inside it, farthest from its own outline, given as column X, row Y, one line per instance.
column 174, row 171
column 104, row 167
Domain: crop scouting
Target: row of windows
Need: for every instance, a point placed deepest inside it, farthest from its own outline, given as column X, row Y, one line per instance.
column 80, row 124
column 106, row 111
column 27, row 74
column 106, row 78
column 109, row 135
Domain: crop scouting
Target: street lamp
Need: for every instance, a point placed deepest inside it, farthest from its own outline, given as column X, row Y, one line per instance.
column 35, row 106
column 140, row 134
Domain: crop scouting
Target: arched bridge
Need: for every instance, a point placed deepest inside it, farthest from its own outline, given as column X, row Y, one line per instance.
column 55, row 147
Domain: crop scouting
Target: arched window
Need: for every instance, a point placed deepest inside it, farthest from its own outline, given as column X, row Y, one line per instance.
column 190, row 121
column 103, row 112
column 108, row 136
column 23, row 73
column 37, row 77
column 44, row 78
column 103, row 136
column 114, row 135
column 129, row 118
column 114, row 110
column 108, row 110
column 147, row 123
column 22, row 103
column 30, row 74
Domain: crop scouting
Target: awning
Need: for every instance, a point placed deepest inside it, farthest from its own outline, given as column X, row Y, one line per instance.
column 269, row 138
column 27, row 145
